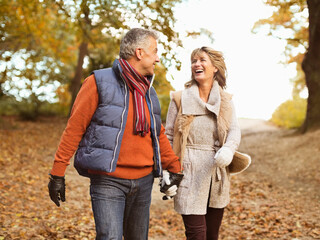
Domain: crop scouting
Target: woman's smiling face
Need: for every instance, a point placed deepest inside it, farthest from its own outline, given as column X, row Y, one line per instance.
column 202, row 68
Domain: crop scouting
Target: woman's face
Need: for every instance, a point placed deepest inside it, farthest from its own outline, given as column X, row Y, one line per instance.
column 202, row 68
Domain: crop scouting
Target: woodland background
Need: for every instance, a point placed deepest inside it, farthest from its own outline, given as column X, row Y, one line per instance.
column 47, row 49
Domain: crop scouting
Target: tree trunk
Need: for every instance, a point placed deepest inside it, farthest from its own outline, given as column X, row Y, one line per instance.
column 1, row 90
column 311, row 68
column 76, row 81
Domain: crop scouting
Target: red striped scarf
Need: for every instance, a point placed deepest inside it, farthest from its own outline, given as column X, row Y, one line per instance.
column 139, row 85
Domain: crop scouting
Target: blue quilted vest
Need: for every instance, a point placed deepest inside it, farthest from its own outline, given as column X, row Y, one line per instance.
column 100, row 145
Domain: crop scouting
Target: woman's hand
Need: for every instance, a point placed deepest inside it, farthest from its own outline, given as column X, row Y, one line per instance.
column 223, row 157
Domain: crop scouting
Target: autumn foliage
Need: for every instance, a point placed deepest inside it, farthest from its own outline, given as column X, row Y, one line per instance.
column 276, row 198
column 291, row 113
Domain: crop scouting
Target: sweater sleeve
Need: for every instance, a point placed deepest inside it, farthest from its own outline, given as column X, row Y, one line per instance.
column 234, row 133
column 170, row 121
column 169, row 160
column 82, row 111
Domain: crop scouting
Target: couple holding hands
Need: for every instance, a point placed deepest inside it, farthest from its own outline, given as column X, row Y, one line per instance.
column 115, row 129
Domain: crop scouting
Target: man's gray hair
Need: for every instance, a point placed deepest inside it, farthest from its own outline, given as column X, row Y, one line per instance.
column 135, row 38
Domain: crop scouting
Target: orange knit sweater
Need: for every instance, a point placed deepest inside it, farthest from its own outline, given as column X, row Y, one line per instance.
column 136, row 153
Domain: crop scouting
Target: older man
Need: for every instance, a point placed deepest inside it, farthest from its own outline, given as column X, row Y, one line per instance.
column 115, row 127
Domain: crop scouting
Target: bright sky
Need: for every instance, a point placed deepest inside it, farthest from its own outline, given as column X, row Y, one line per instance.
column 256, row 78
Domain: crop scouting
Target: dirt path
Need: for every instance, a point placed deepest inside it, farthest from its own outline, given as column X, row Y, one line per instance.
column 278, row 197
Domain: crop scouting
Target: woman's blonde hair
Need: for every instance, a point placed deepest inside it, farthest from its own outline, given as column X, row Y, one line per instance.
column 217, row 60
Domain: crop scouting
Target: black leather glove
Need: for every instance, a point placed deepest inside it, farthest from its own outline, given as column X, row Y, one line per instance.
column 175, row 179
column 57, row 189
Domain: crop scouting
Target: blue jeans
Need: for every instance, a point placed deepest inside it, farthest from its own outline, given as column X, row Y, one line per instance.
column 121, row 207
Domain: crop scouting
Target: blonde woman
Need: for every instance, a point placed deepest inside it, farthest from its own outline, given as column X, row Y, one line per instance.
column 203, row 129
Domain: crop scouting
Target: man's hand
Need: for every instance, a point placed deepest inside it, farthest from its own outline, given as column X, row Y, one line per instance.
column 169, row 184
column 57, row 189
column 223, row 157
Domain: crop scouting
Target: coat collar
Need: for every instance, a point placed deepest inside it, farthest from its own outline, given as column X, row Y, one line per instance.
column 192, row 104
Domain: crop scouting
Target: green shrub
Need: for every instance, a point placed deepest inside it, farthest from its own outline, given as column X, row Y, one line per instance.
column 31, row 110
column 54, row 109
column 290, row 114
column 164, row 103
column 8, row 106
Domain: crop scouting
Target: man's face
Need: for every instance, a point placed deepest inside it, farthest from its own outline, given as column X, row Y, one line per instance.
column 149, row 58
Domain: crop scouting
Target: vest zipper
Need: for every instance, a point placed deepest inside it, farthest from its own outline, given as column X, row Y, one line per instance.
column 155, row 135
column 125, row 106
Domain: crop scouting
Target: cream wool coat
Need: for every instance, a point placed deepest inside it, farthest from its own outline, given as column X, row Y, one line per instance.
column 203, row 181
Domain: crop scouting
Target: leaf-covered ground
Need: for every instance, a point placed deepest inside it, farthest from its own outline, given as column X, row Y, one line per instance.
column 276, row 198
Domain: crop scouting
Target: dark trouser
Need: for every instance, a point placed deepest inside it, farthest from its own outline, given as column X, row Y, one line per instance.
column 121, row 207
column 203, row 227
